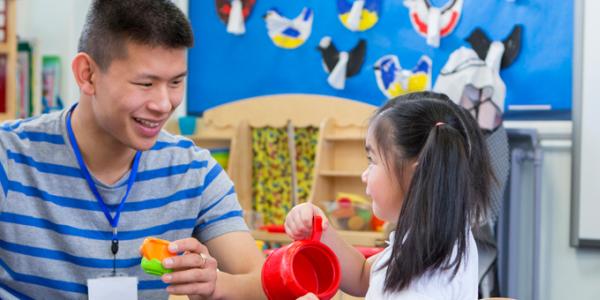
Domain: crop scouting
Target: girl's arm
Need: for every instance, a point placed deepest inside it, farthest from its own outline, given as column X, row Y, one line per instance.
column 355, row 269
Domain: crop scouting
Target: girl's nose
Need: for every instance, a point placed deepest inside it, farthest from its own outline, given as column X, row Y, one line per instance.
column 364, row 175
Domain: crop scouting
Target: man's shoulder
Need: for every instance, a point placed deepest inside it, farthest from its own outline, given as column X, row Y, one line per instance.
column 176, row 145
column 45, row 127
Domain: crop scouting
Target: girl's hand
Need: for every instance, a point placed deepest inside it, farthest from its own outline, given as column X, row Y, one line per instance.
column 194, row 272
column 309, row 296
column 298, row 222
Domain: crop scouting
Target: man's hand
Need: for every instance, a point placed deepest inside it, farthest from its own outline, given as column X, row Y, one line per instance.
column 194, row 272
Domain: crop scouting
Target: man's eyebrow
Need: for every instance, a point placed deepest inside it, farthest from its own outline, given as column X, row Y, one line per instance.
column 154, row 77
column 183, row 74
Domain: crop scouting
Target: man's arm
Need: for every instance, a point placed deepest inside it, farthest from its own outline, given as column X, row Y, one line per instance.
column 232, row 273
column 240, row 263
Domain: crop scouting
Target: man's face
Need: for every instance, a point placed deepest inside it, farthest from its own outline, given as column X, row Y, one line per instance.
column 136, row 95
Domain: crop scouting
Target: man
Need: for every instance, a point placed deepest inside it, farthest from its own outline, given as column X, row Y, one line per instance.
column 83, row 187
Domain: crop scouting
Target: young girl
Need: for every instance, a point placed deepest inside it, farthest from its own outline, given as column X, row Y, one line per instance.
column 429, row 174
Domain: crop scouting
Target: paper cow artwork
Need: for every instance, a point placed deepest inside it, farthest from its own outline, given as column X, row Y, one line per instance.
column 471, row 77
column 481, row 43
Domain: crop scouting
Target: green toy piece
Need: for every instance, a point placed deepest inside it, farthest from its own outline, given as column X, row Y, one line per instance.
column 154, row 267
column 154, row 251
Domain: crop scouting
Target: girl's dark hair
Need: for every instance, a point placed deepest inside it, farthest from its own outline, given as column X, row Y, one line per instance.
column 450, row 186
column 111, row 23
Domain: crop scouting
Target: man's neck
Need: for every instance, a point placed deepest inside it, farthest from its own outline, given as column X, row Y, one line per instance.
column 106, row 158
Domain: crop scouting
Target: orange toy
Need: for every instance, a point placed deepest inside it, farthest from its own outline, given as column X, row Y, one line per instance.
column 154, row 251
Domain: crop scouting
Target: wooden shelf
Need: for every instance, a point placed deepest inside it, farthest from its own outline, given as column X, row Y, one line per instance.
column 339, row 155
column 5, row 47
column 340, row 173
column 342, row 138
column 356, row 238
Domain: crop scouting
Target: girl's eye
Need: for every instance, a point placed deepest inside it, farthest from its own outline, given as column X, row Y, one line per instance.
column 370, row 159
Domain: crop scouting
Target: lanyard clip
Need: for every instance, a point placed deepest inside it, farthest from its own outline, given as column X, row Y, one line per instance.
column 114, row 247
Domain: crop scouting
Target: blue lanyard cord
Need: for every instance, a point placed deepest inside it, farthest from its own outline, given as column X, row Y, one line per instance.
column 114, row 222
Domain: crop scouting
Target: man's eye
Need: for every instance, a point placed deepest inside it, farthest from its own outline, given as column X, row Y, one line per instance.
column 144, row 84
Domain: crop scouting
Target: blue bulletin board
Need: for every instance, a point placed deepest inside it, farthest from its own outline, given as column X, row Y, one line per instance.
column 224, row 67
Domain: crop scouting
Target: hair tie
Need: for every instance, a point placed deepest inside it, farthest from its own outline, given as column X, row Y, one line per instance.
column 439, row 124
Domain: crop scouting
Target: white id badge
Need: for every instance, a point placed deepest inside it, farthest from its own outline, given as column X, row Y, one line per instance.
column 113, row 288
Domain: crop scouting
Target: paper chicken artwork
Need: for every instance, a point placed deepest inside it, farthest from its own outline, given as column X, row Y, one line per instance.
column 432, row 22
column 341, row 64
column 359, row 15
column 470, row 77
column 393, row 80
column 234, row 13
column 286, row 33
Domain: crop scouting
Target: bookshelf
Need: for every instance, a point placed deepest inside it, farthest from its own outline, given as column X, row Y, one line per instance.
column 8, row 60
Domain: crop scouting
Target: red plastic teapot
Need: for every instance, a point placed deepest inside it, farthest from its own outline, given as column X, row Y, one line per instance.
column 301, row 267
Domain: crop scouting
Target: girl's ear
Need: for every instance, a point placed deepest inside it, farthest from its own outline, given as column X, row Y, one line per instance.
column 413, row 166
column 84, row 69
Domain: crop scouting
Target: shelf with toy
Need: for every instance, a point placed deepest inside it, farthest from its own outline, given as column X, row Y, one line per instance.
column 337, row 187
column 339, row 163
column 339, row 155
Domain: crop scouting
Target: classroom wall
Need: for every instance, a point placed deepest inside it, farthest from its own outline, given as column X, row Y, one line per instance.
column 566, row 272
column 572, row 273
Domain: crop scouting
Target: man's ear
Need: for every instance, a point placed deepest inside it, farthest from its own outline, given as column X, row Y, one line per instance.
column 84, row 69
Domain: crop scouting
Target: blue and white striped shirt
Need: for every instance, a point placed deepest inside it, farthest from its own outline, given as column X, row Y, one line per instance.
column 53, row 233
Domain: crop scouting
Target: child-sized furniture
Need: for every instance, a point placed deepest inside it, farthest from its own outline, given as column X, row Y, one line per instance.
column 340, row 155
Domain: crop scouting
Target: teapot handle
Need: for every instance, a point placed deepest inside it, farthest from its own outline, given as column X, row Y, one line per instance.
column 317, row 229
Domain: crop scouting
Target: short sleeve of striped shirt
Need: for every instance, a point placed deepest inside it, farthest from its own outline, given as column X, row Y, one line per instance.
column 221, row 211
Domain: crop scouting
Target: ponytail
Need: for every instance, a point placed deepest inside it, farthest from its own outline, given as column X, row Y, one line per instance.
column 433, row 216
column 448, row 191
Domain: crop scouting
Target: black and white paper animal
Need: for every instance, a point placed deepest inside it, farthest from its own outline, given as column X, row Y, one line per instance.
column 341, row 64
